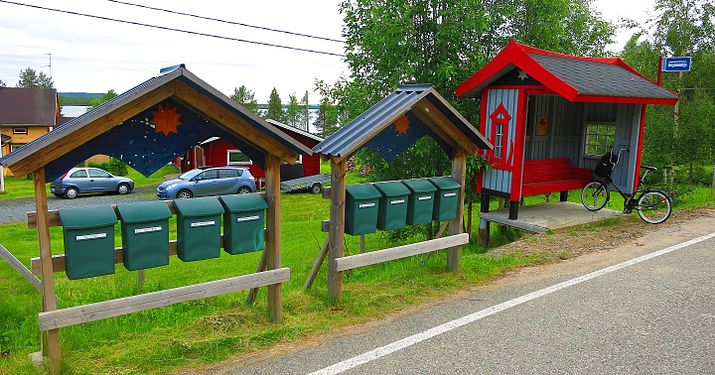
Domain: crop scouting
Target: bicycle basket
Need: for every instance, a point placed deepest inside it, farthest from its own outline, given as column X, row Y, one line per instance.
column 606, row 165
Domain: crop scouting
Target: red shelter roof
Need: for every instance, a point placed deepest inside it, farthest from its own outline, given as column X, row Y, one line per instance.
column 576, row 78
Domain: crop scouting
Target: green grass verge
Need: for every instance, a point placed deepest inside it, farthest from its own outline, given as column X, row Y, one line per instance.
column 21, row 187
column 206, row 331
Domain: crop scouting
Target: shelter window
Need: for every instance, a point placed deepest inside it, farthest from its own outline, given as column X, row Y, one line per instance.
column 499, row 134
column 19, row 130
column 600, row 138
column 498, row 139
column 236, row 157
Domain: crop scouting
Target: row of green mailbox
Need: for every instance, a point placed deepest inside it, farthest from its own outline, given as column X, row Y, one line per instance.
column 89, row 232
column 392, row 205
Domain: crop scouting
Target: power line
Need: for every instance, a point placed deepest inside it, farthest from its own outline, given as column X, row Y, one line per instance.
column 227, row 21
column 177, row 30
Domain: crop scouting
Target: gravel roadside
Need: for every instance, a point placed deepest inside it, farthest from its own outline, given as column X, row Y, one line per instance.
column 15, row 210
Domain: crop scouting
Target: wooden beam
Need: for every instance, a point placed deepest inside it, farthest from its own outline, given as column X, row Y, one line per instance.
column 251, row 298
column 90, row 131
column 399, row 252
column 459, row 173
column 430, row 123
column 316, row 265
column 49, row 302
column 273, row 232
column 52, row 320
column 337, row 227
column 236, row 124
column 20, row 268
column 447, row 126
column 54, row 215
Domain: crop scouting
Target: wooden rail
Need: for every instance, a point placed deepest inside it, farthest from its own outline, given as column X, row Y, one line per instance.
column 20, row 268
column 399, row 252
column 102, row 310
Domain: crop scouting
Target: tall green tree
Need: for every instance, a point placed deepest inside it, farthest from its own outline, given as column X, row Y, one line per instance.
column 94, row 103
column 305, row 112
column 292, row 114
column 275, row 107
column 30, row 78
column 326, row 121
column 247, row 98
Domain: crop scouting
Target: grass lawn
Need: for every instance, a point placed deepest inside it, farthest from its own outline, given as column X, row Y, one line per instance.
column 22, row 187
column 206, row 331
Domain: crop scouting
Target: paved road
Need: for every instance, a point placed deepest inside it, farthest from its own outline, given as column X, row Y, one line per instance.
column 14, row 210
column 656, row 316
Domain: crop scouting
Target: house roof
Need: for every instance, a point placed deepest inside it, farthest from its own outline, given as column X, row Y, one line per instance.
column 576, row 78
column 28, row 106
column 4, row 139
column 295, row 130
column 418, row 105
column 177, row 85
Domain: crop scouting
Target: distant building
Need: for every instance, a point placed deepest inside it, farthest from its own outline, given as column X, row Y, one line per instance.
column 25, row 115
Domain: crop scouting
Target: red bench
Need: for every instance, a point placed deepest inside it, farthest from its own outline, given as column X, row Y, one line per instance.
column 552, row 175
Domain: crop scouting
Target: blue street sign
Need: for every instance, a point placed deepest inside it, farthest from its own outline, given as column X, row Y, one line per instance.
column 677, row 64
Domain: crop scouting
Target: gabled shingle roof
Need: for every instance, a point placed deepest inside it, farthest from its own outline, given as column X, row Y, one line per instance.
column 404, row 101
column 28, row 106
column 575, row 78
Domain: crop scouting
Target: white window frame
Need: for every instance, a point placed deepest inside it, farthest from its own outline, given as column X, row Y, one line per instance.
column 606, row 147
column 229, row 162
column 20, row 130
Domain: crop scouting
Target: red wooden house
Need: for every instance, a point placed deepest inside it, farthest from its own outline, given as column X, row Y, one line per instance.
column 551, row 116
column 217, row 152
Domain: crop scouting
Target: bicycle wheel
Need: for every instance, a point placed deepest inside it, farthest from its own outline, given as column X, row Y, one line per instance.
column 654, row 207
column 595, row 195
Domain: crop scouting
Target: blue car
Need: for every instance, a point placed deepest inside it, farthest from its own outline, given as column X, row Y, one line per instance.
column 89, row 180
column 210, row 181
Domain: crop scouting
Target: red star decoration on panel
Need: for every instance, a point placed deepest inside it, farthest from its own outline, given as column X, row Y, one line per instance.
column 402, row 124
column 165, row 120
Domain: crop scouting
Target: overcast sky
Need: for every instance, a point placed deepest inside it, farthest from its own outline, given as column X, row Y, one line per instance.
column 96, row 55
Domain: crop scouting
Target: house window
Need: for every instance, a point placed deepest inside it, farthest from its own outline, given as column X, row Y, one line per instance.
column 15, row 146
column 19, row 130
column 236, row 157
column 498, row 140
column 500, row 125
column 600, row 138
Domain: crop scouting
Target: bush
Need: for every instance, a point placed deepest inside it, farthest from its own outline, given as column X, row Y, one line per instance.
column 114, row 166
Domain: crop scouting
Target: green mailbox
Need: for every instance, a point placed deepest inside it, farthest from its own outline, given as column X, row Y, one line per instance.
column 447, row 198
column 361, row 209
column 198, row 228
column 243, row 223
column 89, row 241
column 145, row 234
column 420, row 202
column 392, row 210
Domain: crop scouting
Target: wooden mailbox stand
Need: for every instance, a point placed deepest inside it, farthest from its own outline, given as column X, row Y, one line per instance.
column 428, row 109
column 72, row 142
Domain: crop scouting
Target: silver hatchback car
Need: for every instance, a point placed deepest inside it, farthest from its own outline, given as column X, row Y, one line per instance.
column 89, row 180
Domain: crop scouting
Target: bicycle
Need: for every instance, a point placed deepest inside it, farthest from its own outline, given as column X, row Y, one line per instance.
column 653, row 206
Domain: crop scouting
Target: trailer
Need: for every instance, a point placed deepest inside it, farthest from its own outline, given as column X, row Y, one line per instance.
column 313, row 183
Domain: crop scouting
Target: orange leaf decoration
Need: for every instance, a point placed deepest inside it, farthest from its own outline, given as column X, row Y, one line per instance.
column 165, row 120
column 402, row 124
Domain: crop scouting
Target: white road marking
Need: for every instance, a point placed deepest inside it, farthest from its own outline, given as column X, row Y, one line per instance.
column 471, row 318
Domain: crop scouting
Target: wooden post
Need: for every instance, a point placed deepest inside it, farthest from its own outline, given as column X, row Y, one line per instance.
column 140, row 281
column 337, row 227
column 273, row 232
column 456, row 226
column 564, row 196
column 484, row 226
column 316, row 265
column 49, row 303
column 362, row 243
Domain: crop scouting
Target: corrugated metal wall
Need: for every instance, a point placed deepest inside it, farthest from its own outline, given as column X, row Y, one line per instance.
column 500, row 180
column 566, row 127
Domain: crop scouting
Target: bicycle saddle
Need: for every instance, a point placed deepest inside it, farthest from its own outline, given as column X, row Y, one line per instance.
column 649, row 168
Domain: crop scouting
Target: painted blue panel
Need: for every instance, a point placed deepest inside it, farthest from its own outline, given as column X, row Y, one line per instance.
column 499, row 180
column 389, row 143
column 138, row 144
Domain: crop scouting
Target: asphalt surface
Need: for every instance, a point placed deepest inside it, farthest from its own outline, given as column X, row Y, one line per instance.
column 16, row 209
column 654, row 317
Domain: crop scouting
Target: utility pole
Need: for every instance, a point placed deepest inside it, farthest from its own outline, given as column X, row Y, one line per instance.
column 49, row 56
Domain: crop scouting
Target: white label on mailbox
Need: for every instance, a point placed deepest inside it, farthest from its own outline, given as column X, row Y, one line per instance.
column 90, row 236
column 424, row 198
column 248, row 218
column 399, row 201
column 366, row 205
column 146, row 230
column 447, row 195
column 202, row 224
